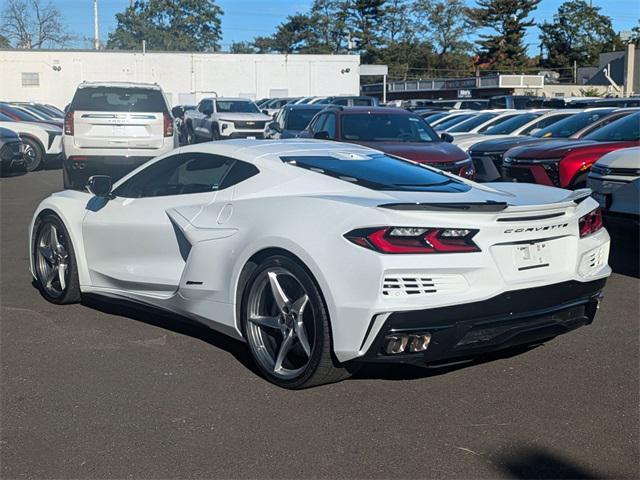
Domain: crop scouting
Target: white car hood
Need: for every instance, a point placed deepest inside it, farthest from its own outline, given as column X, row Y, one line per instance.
column 623, row 158
column 468, row 141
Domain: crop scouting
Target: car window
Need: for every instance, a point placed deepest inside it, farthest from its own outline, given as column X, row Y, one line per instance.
column 624, row 129
column 319, row 123
column 5, row 118
column 236, row 106
column 473, row 122
column 454, row 120
column 16, row 114
column 330, row 125
column 384, row 127
column 512, row 124
column 341, row 101
column 205, row 105
column 181, row 174
column 118, row 99
column 545, row 122
column 498, row 102
column 568, row 126
column 299, row 118
column 362, row 102
column 379, row 171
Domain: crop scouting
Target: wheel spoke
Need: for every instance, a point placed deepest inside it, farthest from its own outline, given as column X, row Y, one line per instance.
column 301, row 332
column 62, row 270
column 51, row 277
column 284, row 350
column 55, row 243
column 278, row 293
column 46, row 252
column 269, row 322
column 298, row 306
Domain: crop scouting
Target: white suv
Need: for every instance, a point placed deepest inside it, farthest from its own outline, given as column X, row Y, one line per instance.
column 110, row 128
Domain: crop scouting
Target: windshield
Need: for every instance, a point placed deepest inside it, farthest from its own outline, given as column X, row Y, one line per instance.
column 455, row 120
column 380, row 172
column 384, row 127
column 568, row 126
column 512, row 124
column 4, row 118
column 627, row 129
column 118, row 99
column 236, row 106
column 16, row 114
column 471, row 123
column 299, row 118
column 435, row 116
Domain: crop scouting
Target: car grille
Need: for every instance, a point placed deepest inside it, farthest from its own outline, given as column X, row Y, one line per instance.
column 622, row 172
column 249, row 125
column 9, row 151
column 478, row 160
column 553, row 172
column 412, row 284
column 518, row 174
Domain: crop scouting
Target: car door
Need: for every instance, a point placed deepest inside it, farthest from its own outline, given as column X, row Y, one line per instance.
column 205, row 109
column 134, row 241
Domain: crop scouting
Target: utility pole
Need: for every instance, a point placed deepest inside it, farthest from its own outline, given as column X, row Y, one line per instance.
column 96, row 32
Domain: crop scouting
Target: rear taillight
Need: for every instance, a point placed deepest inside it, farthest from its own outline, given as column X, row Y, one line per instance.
column 415, row 239
column 68, row 123
column 168, row 125
column 590, row 223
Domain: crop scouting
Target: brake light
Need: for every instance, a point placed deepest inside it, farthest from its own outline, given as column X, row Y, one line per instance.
column 414, row 239
column 68, row 123
column 168, row 125
column 590, row 223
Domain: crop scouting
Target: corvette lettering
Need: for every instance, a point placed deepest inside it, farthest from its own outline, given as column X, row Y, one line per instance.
column 536, row 229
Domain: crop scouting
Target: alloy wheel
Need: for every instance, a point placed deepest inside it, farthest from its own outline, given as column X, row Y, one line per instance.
column 280, row 326
column 52, row 260
column 30, row 156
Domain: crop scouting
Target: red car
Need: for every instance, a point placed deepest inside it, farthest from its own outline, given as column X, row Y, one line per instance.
column 566, row 163
column 394, row 131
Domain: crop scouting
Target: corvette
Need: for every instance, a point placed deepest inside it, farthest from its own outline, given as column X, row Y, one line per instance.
column 323, row 255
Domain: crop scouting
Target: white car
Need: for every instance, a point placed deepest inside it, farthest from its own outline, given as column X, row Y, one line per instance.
column 525, row 123
column 481, row 122
column 113, row 127
column 42, row 142
column 615, row 182
column 323, row 255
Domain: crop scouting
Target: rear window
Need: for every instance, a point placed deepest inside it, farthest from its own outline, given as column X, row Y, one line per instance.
column 118, row 99
column 627, row 129
column 298, row 119
column 384, row 127
column 380, row 172
column 511, row 124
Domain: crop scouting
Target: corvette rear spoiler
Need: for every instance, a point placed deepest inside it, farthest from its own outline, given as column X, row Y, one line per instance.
column 578, row 196
column 477, row 207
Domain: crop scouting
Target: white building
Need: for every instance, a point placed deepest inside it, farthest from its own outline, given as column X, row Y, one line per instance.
column 51, row 76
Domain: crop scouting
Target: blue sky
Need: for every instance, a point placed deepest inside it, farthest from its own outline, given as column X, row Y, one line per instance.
column 245, row 19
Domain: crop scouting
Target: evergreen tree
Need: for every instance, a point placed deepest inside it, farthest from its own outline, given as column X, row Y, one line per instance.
column 505, row 49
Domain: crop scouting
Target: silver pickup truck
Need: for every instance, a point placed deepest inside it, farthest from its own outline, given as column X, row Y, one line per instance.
column 224, row 118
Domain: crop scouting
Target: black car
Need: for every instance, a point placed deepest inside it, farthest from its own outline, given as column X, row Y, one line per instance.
column 291, row 120
column 11, row 152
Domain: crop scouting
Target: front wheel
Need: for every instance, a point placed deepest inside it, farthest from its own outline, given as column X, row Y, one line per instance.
column 55, row 263
column 33, row 154
column 286, row 324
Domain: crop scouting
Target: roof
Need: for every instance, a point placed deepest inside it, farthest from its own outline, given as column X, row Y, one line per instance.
column 389, row 110
column 153, row 86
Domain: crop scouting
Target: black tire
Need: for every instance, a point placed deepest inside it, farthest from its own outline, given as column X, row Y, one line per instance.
column 321, row 367
column 215, row 133
column 190, row 134
column 70, row 291
column 34, row 154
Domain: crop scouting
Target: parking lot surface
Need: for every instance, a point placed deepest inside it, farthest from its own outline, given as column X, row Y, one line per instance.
column 108, row 391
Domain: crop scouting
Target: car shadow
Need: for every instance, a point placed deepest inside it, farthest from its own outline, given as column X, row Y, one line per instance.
column 172, row 322
column 624, row 256
column 539, row 463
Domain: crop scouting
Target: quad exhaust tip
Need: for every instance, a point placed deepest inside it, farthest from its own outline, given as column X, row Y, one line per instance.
column 414, row 343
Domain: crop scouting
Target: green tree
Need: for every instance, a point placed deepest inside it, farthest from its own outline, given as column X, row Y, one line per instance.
column 363, row 21
column 242, row 47
column 578, row 33
column 34, row 24
column 180, row 25
column 509, row 19
column 635, row 34
column 446, row 27
column 397, row 40
column 327, row 24
column 292, row 36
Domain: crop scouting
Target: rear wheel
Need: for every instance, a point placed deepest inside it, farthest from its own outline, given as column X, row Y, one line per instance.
column 286, row 324
column 191, row 138
column 55, row 263
column 215, row 133
column 33, row 154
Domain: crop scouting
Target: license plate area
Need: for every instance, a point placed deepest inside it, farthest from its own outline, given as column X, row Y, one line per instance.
column 531, row 256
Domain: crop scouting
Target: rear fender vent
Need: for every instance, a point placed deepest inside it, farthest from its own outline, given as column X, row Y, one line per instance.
column 416, row 284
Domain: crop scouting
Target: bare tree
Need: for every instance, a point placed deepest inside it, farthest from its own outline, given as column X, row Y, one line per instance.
column 32, row 24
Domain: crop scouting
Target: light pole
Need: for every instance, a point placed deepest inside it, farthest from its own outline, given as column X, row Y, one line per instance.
column 96, row 32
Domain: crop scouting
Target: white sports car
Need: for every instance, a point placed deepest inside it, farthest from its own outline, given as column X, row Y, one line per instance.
column 323, row 255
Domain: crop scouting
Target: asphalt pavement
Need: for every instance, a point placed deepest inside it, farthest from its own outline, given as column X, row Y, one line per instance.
column 109, row 391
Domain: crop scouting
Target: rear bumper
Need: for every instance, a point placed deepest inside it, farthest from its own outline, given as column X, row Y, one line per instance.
column 78, row 169
column 510, row 319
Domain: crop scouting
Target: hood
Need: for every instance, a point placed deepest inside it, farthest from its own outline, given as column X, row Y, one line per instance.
column 501, row 145
column 465, row 143
column 551, row 149
column 49, row 127
column 244, row 116
column 428, row 152
column 623, row 158
column 7, row 134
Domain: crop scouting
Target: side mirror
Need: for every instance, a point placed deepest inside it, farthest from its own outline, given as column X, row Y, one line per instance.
column 275, row 126
column 177, row 112
column 447, row 137
column 321, row 135
column 100, row 185
column 266, row 112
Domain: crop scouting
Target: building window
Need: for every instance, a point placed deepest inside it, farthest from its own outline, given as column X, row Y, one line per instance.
column 30, row 79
